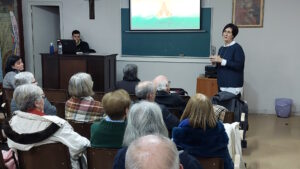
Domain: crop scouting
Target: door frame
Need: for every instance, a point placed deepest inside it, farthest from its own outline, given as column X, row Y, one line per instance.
column 30, row 66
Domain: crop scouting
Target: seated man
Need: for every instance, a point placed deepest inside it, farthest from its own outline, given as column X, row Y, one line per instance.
column 81, row 46
column 109, row 131
column 163, row 95
column 149, row 152
column 30, row 127
column 147, row 91
column 28, row 78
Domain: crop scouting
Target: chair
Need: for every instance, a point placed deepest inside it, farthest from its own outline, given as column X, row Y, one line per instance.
column 211, row 163
column 100, row 158
column 60, row 109
column 133, row 97
column 229, row 117
column 98, row 96
column 56, row 95
column 82, row 128
column 7, row 97
column 47, row 156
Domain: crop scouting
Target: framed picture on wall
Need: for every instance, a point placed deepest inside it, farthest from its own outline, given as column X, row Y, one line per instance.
column 248, row 13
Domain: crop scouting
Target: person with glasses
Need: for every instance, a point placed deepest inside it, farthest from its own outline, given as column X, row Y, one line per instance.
column 28, row 78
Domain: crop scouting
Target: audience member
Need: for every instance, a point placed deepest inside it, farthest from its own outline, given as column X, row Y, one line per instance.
column 130, row 79
column 14, row 65
column 30, row 127
column 145, row 118
column 81, row 46
column 163, row 95
column 152, row 152
column 81, row 106
column 146, row 91
column 200, row 133
column 109, row 131
column 28, row 78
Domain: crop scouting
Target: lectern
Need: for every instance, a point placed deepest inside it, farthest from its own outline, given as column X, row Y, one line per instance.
column 57, row 70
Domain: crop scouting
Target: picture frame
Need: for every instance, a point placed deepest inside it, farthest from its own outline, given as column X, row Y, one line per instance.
column 248, row 13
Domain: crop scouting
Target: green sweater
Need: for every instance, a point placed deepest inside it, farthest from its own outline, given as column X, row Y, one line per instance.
column 106, row 134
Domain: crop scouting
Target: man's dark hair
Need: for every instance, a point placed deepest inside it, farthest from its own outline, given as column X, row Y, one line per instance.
column 75, row 32
column 235, row 29
column 11, row 60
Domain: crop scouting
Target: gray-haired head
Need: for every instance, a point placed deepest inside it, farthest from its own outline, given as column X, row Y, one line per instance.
column 24, row 78
column 161, row 83
column 152, row 152
column 144, row 118
column 130, row 72
column 145, row 90
column 81, row 85
column 26, row 96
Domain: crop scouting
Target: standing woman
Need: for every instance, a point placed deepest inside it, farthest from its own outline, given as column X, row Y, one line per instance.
column 230, row 62
column 14, row 65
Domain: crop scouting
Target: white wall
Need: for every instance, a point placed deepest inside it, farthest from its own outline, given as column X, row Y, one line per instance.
column 271, row 55
column 103, row 34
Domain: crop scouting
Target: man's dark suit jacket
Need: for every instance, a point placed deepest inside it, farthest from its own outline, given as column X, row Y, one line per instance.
column 129, row 86
column 169, row 100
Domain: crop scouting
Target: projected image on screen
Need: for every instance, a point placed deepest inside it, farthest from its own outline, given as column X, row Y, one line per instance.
column 164, row 14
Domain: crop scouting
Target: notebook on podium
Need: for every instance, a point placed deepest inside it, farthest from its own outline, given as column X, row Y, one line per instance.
column 68, row 46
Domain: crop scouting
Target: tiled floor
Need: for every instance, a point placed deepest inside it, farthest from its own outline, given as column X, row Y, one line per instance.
column 273, row 143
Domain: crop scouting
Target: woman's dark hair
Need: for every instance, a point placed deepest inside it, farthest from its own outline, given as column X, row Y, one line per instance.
column 235, row 29
column 11, row 60
column 130, row 73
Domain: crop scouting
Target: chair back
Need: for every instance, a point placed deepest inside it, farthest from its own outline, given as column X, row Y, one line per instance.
column 60, row 109
column 101, row 158
column 211, row 163
column 98, row 96
column 133, row 97
column 82, row 128
column 229, row 117
column 7, row 97
column 56, row 95
column 47, row 156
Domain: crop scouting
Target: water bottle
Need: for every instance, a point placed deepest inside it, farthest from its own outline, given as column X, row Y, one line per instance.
column 59, row 47
column 51, row 49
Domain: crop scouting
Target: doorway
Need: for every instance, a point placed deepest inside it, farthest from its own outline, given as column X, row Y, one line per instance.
column 45, row 30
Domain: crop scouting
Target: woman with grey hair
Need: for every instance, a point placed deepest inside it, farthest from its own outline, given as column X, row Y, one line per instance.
column 81, row 106
column 130, row 79
column 28, row 78
column 40, row 128
column 145, row 118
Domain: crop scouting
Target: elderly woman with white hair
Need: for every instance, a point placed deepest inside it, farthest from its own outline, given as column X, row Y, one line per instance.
column 40, row 128
column 81, row 106
column 145, row 118
column 28, row 78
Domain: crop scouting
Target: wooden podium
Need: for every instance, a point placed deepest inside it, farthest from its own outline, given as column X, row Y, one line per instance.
column 57, row 70
column 207, row 86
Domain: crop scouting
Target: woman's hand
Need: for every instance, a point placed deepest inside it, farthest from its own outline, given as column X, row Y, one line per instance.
column 215, row 59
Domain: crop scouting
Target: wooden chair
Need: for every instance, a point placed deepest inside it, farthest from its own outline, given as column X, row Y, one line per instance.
column 98, row 96
column 7, row 97
column 211, row 163
column 100, row 158
column 82, row 128
column 229, row 117
column 60, row 109
column 56, row 95
column 47, row 156
column 133, row 97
